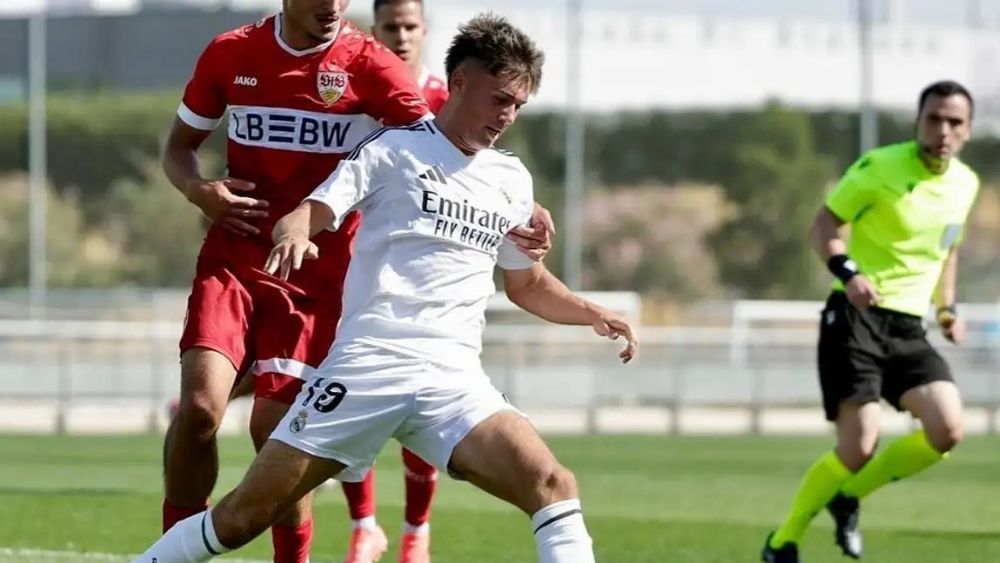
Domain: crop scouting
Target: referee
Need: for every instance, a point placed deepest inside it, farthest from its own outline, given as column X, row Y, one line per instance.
column 906, row 204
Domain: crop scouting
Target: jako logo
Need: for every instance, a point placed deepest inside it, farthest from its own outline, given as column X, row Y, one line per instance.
column 245, row 81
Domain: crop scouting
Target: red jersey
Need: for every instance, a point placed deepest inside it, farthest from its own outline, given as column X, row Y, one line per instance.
column 293, row 115
column 434, row 89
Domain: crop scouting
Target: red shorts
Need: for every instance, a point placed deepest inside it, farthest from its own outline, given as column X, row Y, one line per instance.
column 259, row 321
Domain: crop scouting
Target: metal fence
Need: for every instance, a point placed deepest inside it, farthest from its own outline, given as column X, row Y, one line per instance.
column 753, row 373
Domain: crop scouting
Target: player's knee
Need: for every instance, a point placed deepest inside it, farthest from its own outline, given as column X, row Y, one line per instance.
column 945, row 436
column 199, row 418
column 556, row 483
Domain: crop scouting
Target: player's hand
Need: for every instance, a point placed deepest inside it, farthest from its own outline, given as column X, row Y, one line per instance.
column 861, row 292
column 612, row 326
column 952, row 327
column 217, row 199
column 535, row 240
column 288, row 254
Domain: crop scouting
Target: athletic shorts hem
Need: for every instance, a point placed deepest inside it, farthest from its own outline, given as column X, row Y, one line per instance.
column 279, row 387
column 455, row 437
column 213, row 345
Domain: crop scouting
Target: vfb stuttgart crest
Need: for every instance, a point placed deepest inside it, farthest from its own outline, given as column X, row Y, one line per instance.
column 331, row 85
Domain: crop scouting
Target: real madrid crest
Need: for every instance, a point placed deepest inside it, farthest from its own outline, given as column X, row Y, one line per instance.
column 298, row 423
column 331, row 84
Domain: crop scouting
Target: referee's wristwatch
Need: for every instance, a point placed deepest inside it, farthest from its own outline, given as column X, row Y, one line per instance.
column 946, row 314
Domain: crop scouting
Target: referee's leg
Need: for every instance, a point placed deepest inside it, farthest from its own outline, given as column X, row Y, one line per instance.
column 938, row 406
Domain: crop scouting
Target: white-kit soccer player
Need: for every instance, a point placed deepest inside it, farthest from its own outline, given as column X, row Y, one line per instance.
column 437, row 201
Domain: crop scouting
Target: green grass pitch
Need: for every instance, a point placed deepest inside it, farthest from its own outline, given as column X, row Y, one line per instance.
column 646, row 499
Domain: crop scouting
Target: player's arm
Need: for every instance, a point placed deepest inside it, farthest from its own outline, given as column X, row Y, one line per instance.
column 291, row 237
column 540, row 293
column 217, row 199
column 852, row 196
column 200, row 112
column 952, row 325
column 534, row 240
column 355, row 181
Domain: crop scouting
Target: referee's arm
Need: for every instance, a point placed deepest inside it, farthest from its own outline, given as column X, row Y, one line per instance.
column 824, row 234
column 952, row 325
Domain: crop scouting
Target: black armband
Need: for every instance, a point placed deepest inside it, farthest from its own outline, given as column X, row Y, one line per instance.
column 843, row 267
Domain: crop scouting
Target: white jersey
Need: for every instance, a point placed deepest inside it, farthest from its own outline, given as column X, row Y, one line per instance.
column 433, row 229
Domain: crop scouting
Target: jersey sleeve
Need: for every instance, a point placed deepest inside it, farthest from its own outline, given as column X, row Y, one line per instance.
column 855, row 192
column 204, row 100
column 356, row 179
column 392, row 94
column 509, row 257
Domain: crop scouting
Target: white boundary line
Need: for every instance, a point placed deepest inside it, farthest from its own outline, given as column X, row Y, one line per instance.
column 26, row 555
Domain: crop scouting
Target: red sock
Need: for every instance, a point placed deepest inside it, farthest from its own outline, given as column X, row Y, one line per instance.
column 174, row 514
column 421, row 480
column 360, row 496
column 291, row 543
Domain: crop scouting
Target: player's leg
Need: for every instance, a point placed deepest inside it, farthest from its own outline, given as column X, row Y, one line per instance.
column 291, row 535
column 420, row 482
column 290, row 341
column 462, row 424
column 278, row 477
column 504, row 456
column 368, row 541
column 191, row 463
column 212, row 346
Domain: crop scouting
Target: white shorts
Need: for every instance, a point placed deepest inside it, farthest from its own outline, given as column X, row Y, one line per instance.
column 349, row 408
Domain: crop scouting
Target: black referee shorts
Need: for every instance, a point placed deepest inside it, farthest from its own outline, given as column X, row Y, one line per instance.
column 864, row 355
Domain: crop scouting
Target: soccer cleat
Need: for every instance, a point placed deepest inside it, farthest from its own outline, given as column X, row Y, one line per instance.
column 415, row 548
column 367, row 546
column 846, row 512
column 788, row 553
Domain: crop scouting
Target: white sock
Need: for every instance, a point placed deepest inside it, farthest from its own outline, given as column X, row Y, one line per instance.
column 560, row 534
column 191, row 540
column 367, row 523
column 424, row 528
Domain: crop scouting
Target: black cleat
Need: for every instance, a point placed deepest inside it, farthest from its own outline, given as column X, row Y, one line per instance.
column 788, row 553
column 846, row 512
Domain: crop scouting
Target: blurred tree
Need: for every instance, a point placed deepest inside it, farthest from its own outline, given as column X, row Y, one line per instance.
column 776, row 180
column 158, row 230
column 76, row 257
column 651, row 239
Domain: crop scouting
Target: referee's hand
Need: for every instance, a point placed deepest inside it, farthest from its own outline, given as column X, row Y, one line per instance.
column 861, row 293
column 952, row 327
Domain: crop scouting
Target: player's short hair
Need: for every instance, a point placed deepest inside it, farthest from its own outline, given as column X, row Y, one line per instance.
column 504, row 50
column 379, row 3
column 943, row 89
